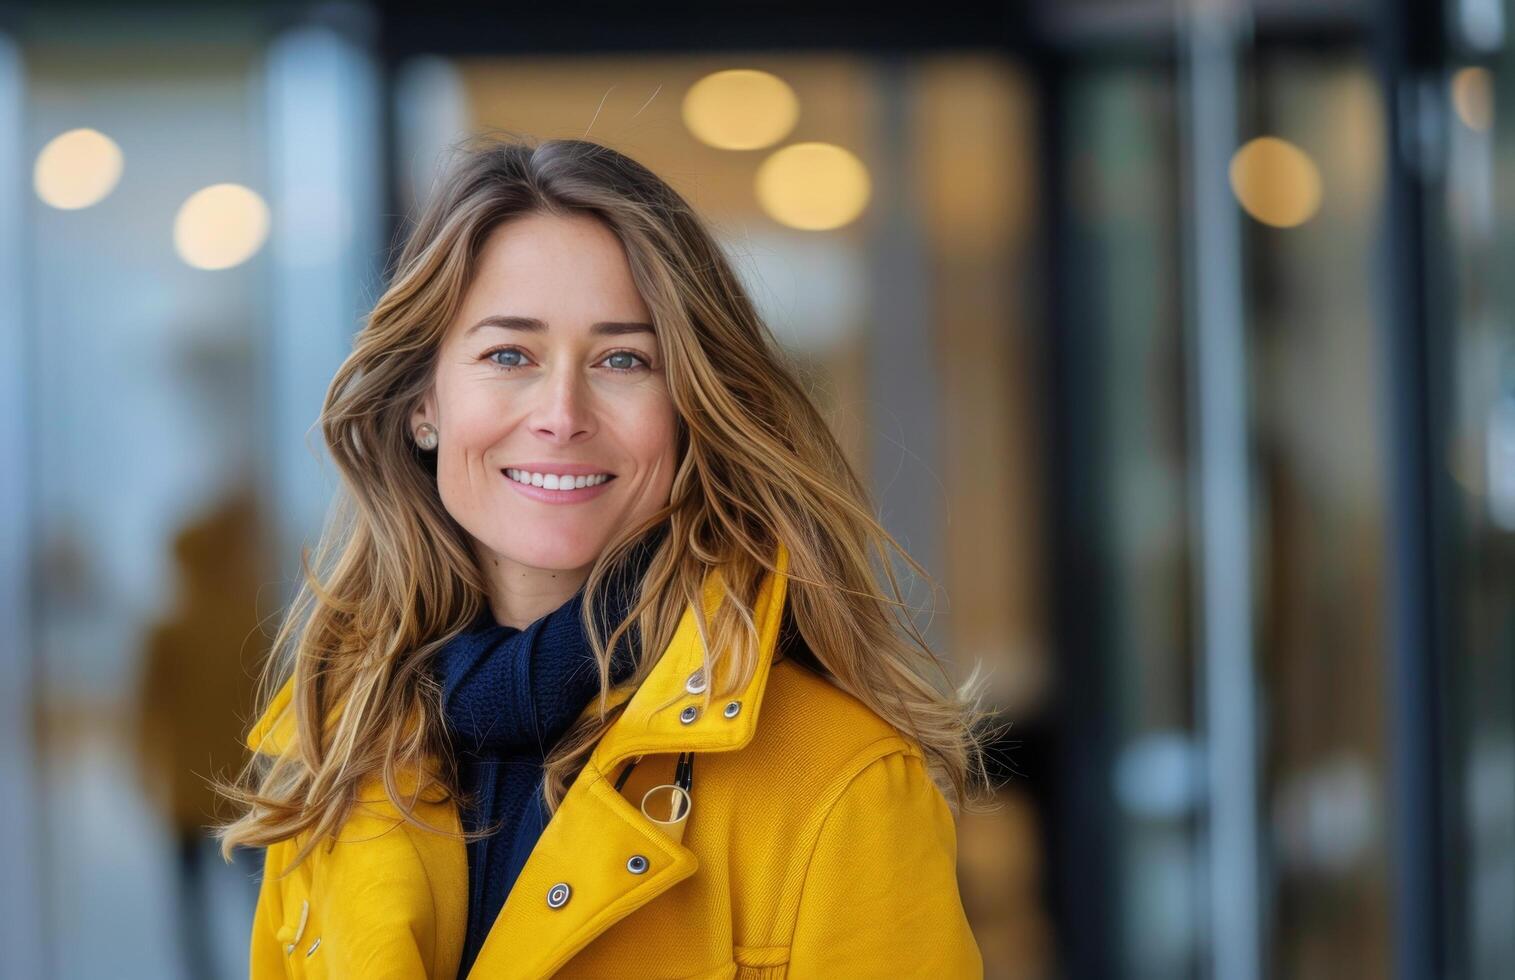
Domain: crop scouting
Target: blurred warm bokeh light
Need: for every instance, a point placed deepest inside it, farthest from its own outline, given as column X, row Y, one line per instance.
column 740, row 109
column 220, row 226
column 1276, row 182
column 1473, row 97
column 77, row 168
column 813, row 186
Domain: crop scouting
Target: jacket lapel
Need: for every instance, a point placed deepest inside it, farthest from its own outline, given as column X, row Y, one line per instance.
column 595, row 832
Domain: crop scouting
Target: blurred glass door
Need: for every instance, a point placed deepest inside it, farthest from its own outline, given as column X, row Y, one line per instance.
column 1146, row 864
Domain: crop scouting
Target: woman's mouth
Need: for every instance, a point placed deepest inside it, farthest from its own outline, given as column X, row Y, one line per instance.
column 555, row 488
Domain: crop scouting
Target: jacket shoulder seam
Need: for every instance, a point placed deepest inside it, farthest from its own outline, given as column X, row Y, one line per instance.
column 816, row 685
column 431, row 895
column 788, row 906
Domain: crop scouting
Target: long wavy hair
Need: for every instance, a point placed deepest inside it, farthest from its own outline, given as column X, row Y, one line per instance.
column 394, row 578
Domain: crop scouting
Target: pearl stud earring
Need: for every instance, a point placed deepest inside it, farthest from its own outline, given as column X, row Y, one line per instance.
column 426, row 436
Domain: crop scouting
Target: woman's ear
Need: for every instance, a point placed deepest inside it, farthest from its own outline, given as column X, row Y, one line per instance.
column 425, row 412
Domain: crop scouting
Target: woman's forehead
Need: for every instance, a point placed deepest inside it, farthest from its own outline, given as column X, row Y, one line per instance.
column 559, row 272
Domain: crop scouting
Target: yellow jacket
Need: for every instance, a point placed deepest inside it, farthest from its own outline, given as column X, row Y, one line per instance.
column 815, row 845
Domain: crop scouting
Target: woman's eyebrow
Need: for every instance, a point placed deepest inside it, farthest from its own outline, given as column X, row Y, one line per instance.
column 531, row 324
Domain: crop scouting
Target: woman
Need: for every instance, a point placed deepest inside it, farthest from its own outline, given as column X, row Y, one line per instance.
column 594, row 678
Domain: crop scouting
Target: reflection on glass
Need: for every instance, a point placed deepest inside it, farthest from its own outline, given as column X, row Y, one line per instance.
column 1122, row 172
column 1319, row 447
column 1481, row 469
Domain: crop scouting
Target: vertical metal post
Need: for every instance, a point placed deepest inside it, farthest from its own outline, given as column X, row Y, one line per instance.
column 902, row 363
column 1409, row 48
column 1221, row 481
column 21, row 903
column 325, row 149
column 1081, row 825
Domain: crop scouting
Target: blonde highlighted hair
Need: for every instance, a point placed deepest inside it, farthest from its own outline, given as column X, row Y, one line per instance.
column 394, row 578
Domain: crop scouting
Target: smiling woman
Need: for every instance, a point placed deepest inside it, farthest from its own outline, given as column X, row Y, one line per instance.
column 564, row 418
column 550, row 366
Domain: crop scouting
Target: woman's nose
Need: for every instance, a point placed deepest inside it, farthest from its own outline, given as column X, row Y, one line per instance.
column 563, row 409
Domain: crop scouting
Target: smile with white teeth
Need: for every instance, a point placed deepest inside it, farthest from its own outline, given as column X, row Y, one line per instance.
column 552, row 481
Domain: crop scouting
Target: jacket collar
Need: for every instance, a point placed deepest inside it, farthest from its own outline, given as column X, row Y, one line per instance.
column 651, row 722
column 595, row 828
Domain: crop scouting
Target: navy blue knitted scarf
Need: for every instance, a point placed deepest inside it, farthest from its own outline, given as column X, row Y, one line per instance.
column 508, row 696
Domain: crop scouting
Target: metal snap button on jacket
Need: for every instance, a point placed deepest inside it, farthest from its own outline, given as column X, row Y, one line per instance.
column 557, row 895
column 689, row 714
column 733, row 708
column 637, row 864
column 696, row 682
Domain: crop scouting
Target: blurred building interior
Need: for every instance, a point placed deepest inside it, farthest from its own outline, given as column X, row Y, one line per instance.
column 1171, row 338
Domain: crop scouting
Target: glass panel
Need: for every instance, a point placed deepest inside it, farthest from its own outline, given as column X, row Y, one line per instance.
column 1317, row 458
column 973, row 143
column 145, row 437
column 1481, row 465
column 1124, row 298
column 1318, row 404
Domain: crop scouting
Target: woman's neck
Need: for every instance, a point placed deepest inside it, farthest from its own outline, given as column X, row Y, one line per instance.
column 520, row 595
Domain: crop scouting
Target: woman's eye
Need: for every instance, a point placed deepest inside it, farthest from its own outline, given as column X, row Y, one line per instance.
column 621, row 361
column 627, row 356
column 492, row 355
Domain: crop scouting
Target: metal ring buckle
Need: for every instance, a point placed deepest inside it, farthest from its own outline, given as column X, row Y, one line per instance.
column 677, row 808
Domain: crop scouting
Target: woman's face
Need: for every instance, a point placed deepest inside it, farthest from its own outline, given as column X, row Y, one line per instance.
column 551, row 369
